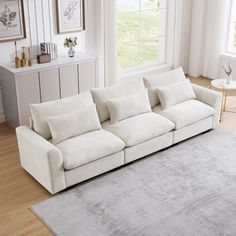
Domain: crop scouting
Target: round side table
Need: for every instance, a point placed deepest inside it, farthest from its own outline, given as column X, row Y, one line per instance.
column 224, row 87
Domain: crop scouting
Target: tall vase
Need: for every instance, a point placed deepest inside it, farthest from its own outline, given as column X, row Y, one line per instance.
column 228, row 79
column 71, row 52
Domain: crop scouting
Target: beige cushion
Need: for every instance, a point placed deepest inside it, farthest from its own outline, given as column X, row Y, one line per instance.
column 186, row 113
column 101, row 95
column 85, row 148
column 175, row 93
column 128, row 106
column 159, row 80
column 40, row 112
column 73, row 124
column 140, row 128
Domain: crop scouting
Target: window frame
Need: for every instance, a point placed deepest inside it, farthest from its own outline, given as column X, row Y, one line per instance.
column 150, row 66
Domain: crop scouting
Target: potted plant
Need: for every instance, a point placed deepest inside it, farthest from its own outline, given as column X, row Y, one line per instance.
column 70, row 43
column 228, row 72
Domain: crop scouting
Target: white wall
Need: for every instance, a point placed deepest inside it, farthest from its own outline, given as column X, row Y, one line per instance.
column 41, row 26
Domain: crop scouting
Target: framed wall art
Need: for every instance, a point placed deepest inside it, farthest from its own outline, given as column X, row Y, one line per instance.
column 70, row 16
column 12, row 23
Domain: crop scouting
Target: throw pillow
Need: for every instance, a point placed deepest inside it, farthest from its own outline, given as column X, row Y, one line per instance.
column 128, row 106
column 73, row 124
column 175, row 93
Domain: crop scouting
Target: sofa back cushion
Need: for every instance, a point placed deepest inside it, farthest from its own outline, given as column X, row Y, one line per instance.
column 159, row 80
column 175, row 93
column 101, row 95
column 128, row 106
column 73, row 124
column 40, row 112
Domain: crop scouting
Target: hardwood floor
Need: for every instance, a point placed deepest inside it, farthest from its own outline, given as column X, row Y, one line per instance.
column 18, row 191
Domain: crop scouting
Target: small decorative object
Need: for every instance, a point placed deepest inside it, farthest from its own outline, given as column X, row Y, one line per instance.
column 23, row 59
column 43, row 58
column 70, row 43
column 70, row 15
column 228, row 72
column 29, row 58
column 12, row 24
column 49, row 48
column 17, row 59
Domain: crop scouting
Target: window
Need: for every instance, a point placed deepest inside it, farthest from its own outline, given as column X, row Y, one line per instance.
column 141, row 33
column 231, row 45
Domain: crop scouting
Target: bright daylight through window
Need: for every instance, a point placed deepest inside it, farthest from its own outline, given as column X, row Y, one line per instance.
column 231, row 47
column 141, row 33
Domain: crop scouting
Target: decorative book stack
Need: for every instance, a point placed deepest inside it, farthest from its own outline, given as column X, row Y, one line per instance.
column 49, row 48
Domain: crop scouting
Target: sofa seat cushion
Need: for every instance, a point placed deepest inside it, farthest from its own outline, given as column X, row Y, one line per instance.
column 186, row 113
column 85, row 148
column 140, row 128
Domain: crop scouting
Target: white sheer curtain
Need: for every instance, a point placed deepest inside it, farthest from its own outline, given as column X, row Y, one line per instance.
column 206, row 37
column 101, row 38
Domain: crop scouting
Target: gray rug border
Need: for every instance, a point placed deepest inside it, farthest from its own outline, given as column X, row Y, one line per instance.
column 41, row 219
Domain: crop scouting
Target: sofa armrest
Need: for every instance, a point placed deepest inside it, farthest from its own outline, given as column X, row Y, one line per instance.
column 41, row 159
column 211, row 98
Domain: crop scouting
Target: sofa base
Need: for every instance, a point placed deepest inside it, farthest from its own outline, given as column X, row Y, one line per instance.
column 94, row 168
column 148, row 147
column 193, row 129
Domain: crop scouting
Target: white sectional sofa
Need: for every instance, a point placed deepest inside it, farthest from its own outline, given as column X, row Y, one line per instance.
column 71, row 140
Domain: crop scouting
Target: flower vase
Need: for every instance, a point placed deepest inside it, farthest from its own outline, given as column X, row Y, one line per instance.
column 228, row 79
column 71, row 52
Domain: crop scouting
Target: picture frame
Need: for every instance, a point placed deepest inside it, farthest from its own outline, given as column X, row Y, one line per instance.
column 12, row 20
column 70, row 16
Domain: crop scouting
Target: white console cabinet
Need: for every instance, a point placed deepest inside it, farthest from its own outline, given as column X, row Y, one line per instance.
column 44, row 82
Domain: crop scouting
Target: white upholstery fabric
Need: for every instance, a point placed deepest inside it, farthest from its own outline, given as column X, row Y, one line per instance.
column 175, row 93
column 128, row 106
column 159, row 80
column 73, row 124
column 40, row 112
column 94, row 168
column 212, row 98
column 139, row 128
column 89, row 147
column 101, row 95
column 186, row 113
column 41, row 159
column 150, row 146
column 193, row 129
